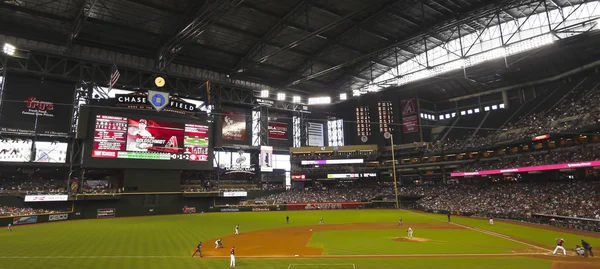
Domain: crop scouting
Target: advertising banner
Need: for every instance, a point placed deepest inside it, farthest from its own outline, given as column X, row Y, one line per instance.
column 266, row 159
column 408, row 106
column 340, row 161
column 234, row 126
column 235, row 194
column 319, row 206
column 15, row 150
column 189, row 210
column 106, row 213
column 51, row 152
column 278, row 130
column 410, row 124
column 58, row 217
column 158, row 100
column 46, row 198
column 25, row 220
column 529, row 169
column 354, row 175
column 27, row 100
column 315, row 135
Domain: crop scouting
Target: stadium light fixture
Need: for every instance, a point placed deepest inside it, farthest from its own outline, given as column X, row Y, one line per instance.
column 9, row 49
column 319, row 100
column 487, row 108
column 281, row 96
column 264, row 93
column 462, row 113
column 296, row 99
column 501, row 106
column 343, row 96
column 494, row 107
column 453, row 114
column 476, row 110
column 441, row 117
column 470, row 111
column 448, row 116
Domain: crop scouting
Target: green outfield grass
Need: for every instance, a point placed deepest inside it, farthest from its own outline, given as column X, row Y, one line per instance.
column 166, row 242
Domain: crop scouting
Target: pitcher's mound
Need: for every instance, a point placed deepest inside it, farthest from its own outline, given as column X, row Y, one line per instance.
column 414, row 239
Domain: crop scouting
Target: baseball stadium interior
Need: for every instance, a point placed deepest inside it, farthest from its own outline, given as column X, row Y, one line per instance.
column 477, row 110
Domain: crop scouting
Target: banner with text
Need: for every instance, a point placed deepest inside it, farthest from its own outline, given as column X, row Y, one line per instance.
column 234, row 126
column 58, row 217
column 320, row 206
column 46, row 198
column 25, row 220
column 410, row 124
column 315, row 134
column 106, row 213
column 278, row 130
column 28, row 101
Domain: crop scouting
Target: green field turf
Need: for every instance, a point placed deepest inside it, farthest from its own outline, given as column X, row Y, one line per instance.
column 166, row 242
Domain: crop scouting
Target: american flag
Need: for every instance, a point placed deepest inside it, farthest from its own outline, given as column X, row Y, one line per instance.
column 114, row 76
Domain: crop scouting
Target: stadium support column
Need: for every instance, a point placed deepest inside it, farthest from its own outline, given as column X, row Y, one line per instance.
column 4, row 67
column 505, row 99
column 303, row 128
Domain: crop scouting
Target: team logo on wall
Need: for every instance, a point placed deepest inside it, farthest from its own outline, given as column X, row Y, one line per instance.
column 408, row 106
column 158, row 100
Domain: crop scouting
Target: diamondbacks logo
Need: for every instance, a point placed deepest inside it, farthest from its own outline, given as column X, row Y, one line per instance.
column 158, row 100
column 408, row 106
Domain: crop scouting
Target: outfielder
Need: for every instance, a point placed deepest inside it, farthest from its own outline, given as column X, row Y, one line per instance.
column 491, row 220
column 410, row 232
column 237, row 229
column 10, row 227
column 559, row 246
column 321, row 221
column 232, row 255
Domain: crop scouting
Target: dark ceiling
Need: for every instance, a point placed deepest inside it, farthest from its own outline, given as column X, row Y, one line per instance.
column 310, row 46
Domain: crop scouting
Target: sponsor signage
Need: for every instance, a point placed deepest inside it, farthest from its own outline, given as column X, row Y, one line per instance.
column 410, row 124
column 266, row 159
column 320, row 206
column 315, row 134
column 234, row 126
column 341, row 161
column 230, row 210
column 19, row 150
column 106, row 213
column 46, row 198
column 31, row 105
column 158, row 100
column 408, row 106
column 541, row 137
column 265, row 102
column 278, row 130
column 529, row 169
column 58, row 217
column 188, row 210
column 25, row 220
column 235, row 194
column 260, row 209
column 298, row 177
column 357, row 175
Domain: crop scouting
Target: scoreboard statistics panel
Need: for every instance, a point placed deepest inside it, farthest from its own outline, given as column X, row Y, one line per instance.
column 125, row 141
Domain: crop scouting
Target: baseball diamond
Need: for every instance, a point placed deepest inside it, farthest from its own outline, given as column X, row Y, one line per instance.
column 360, row 238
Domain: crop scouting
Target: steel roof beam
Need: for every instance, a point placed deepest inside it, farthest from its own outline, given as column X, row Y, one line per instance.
column 205, row 15
column 84, row 10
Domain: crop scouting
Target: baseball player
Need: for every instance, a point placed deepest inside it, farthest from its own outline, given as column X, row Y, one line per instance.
column 579, row 250
column 491, row 220
column 198, row 250
column 237, row 229
column 587, row 248
column 410, row 232
column 287, row 219
column 322, row 221
column 219, row 243
column 400, row 221
column 559, row 246
column 232, row 255
column 10, row 227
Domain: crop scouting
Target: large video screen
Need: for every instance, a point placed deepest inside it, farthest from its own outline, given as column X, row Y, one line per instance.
column 144, row 142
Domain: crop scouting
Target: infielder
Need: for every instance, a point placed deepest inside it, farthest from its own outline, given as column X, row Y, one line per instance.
column 198, row 250
column 10, row 227
column 491, row 220
column 232, row 255
column 410, row 232
column 321, row 221
column 219, row 243
column 559, row 246
column 237, row 229
column 400, row 221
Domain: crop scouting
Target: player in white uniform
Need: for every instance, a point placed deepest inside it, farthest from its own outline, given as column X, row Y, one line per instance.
column 579, row 250
column 219, row 243
column 232, row 255
column 559, row 246
column 491, row 220
column 322, row 221
column 10, row 227
column 410, row 232
column 141, row 131
column 237, row 229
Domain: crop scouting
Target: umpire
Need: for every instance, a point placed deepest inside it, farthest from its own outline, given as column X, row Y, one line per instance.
column 587, row 247
column 198, row 250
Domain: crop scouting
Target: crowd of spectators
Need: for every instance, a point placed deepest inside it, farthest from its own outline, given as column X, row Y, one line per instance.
column 572, row 154
column 336, row 155
column 23, row 211
column 573, row 112
column 32, row 185
column 314, row 195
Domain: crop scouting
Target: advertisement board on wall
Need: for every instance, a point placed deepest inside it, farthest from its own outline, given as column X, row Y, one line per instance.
column 266, row 159
column 19, row 150
column 50, row 152
column 28, row 101
column 234, row 126
column 106, row 213
column 25, row 220
column 46, row 198
column 410, row 124
column 340, row 161
column 58, row 217
column 235, row 194
column 278, row 130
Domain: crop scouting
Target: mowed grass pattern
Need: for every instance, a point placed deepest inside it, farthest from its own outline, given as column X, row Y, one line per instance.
column 167, row 242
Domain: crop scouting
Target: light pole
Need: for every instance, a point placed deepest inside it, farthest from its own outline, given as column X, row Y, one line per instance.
column 389, row 136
